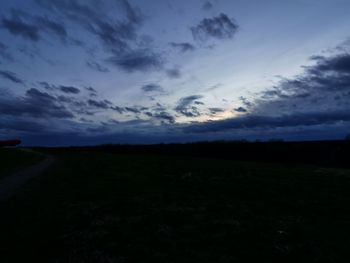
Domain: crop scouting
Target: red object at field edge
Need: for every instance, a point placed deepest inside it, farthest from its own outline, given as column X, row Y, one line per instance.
column 10, row 143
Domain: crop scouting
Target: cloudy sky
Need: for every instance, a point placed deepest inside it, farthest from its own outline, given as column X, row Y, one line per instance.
column 134, row 71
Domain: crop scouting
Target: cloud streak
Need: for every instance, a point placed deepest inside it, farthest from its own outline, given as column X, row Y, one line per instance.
column 69, row 89
column 5, row 53
column 11, row 76
column 120, row 37
column 137, row 60
column 317, row 97
column 271, row 122
column 16, row 26
column 152, row 88
column 31, row 27
column 185, row 106
column 35, row 104
column 207, row 6
column 183, row 47
column 220, row 27
column 97, row 67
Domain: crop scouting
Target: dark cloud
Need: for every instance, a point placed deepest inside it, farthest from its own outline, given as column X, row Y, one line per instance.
column 337, row 64
column 65, row 99
column 5, row 53
column 152, row 88
column 43, row 100
column 214, row 111
column 16, row 26
column 69, row 89
column 39, row 95
column 207, row 5
column 316, row 98
column 273, row 93
column 76, row 105
column 102, row 104
column 164, row 116
column 118, row 109
column 133, row 14
column 91, row 89
column 240, row 109
column 246, row 102
column 173, row 73
column 11, row 76
column 159, row 113
column 315, row 89
column 31, row 52
column 185, row 101
column 35, row 103
column 46, row 85
column 119, row 37
column 220, row 27
column 61, row 88
column 30, row 27
column 183, row 47
column 96, row 66
column 137, row 60
column 45, row 24
column 10, row 125
column 272, row 122
column 109, row 32
column 132, row 110
column 185, row 106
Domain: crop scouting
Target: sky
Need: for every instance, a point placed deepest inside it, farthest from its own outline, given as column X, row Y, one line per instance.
column 76, row 72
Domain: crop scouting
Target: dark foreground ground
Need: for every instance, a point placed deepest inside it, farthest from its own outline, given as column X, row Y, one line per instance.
column 13, row 160
column 92, row 206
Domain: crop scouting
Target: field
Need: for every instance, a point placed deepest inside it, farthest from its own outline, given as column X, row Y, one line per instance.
column 12, row 160
column 101, row 207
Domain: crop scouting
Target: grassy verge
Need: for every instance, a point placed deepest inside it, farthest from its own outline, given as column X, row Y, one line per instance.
column 95, row 207
column 12, row 160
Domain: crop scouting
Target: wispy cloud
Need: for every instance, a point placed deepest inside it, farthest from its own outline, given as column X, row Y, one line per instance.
column 5, row 53
column 32, row 27
column 119, row 36
column 186, row 108
column 11, row 76
column 35, row 103
column 207, row 5
column 183, row 47
column 219, row 27
column 174, row 73
column 270, row 122
column 152, row 88
column 316, row 98
column 97, row 66
column 69, row 89
column 137, row 60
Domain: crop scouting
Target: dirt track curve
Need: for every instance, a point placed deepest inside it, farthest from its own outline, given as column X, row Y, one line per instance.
column 10, row 185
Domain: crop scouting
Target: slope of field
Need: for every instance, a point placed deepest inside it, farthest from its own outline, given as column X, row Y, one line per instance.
column 13, row 160
column 97, row 207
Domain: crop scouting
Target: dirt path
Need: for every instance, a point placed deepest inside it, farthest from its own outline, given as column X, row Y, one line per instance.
column 10, row 185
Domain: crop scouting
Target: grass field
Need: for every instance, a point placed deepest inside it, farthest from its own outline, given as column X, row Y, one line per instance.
column 12, row 160
column 96, row 207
